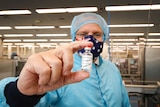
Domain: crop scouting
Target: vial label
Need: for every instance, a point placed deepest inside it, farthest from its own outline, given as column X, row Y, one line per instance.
column 87, row 63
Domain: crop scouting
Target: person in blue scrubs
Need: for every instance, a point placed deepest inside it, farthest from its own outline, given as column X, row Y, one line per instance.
column 55, row 79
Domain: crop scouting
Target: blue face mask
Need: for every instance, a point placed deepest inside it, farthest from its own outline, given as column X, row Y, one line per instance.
column 97, row 46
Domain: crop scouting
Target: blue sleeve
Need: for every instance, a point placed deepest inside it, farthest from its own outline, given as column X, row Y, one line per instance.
column 9, row 91
column 16, row 99
column 3, row 83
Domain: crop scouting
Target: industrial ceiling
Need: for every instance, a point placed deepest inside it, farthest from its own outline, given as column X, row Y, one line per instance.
column 64, row 19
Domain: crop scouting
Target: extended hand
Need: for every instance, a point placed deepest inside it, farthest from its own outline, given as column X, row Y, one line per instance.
column 51, row 70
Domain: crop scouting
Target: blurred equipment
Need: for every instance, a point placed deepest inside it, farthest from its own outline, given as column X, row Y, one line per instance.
column 7, row 68
column 152, row 64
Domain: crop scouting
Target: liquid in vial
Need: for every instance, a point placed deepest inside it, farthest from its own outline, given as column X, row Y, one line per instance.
column 87, row 59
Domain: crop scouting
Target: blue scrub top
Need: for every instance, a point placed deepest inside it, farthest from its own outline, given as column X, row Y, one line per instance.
column 104, row 88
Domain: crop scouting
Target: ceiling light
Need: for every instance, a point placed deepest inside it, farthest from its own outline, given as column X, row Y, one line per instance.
column 46, row 44
column 24, row 43
column 121, row 40
column 62, row 44
column 27, row 46
column 152, row 39
column 126, row 34
column 11, row 40
column 69, row 10
column 132, row 25
column 133, row 7
column 35, row 40
column 155, row 7
column 64, row 26
column 153, row 43
column 82, row 9
column 14, row 12
column 154, row 34
column 18, row 35
column 51, row 34
column 123, row 44
column 0, row 35
column 34, row 27
column 155, row 46
column 60, row 10
column 7, row 43
column 5, row 27
column 60, row 40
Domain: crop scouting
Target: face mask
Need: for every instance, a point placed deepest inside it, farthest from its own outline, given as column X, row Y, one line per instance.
column 97, row 46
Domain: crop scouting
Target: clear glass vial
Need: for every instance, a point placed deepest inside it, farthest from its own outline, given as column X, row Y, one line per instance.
column 87, row 59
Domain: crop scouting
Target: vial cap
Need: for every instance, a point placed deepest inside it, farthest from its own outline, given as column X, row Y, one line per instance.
column 87, row 47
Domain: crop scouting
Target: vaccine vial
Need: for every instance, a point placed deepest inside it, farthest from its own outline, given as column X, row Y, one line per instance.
column 87, row 59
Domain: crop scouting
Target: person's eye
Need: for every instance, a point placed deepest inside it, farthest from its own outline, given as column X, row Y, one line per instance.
column 81, row 34
column 97, row 35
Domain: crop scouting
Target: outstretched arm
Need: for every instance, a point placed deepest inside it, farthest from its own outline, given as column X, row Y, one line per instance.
column 47, row 71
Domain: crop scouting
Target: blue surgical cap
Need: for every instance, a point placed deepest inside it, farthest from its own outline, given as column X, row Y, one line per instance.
column 85, row 18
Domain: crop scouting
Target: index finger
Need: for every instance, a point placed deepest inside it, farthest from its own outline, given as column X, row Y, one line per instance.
column 77, row 45
column 67, row 57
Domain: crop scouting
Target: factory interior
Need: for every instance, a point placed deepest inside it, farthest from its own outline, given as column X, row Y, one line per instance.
column 133, row 45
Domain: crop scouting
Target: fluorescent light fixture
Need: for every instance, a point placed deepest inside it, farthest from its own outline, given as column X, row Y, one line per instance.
column 152, row 39
column 69, row 10
column 123, row 40
column 5, row 27
column 154, row 34
column 60, row 10
column 48, row 46
column 123, row 44
column 14, row 12
column 11, row 40
column 117, row 50
column 64, row 26
column 133, row 7
column 155, row 46
column 34, row 27
column 62, row 44
column 133, row 47
column 51, row 34
column 18, row 35
column 132, row 25
column 0, row 35
column 35, row 40
column 7, row 43
column 82, row 9
column 155, row 7
column 60, row 40
column 27, row 46
column 23, row 43
column 46, row 43
column 153, row 43
column 126, row 34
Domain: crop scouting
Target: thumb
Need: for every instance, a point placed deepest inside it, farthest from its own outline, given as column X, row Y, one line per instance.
column 76, row 77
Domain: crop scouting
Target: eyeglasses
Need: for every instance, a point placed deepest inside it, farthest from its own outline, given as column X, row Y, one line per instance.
column 95, row 35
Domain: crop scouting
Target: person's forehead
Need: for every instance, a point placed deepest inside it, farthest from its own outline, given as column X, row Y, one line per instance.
column 90, row 26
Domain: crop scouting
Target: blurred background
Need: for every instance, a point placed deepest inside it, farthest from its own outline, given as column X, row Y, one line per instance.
column 31, row 26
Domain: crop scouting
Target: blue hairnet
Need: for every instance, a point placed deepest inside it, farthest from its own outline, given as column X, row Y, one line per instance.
column 85, row 18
